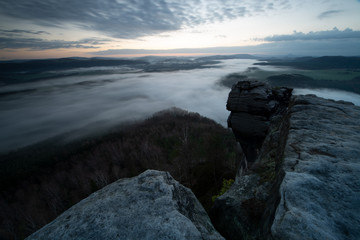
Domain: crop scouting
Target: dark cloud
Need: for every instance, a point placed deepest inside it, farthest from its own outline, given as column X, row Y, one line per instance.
column 320, row 35
column 41, row 44
column 132, row 18
column 21, row 32
column 328, row 14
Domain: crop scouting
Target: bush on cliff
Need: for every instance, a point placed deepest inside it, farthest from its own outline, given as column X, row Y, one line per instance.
column 227, row 183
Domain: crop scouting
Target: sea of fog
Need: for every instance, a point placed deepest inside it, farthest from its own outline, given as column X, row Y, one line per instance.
column 331, row 94
column 40, row 110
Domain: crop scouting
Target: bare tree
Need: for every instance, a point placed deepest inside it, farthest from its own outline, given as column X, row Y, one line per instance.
column 101, row 179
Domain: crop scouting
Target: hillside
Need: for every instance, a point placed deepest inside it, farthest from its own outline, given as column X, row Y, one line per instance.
column 198, row 152
column 317, row 63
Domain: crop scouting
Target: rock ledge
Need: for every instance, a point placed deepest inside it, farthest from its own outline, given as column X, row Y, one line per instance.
column 150, row 206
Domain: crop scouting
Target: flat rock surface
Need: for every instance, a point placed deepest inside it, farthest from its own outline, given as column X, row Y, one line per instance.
column 320, row 193
column 150, row 206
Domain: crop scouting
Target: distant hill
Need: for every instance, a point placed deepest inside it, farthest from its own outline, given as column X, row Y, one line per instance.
column 326, row 62
column 43, row 180
column 19, row 71
column 224, row 57
column 62, row 64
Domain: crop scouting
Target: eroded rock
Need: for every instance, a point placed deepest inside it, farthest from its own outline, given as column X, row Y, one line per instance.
column 320, row 192
column 252, row 103
column 304, row 183
column 246, row 211
column 150, row 206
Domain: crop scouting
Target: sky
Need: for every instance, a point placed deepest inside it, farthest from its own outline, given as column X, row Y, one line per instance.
column 130, row 28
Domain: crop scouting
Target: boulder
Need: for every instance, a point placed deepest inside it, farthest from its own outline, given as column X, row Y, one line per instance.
column 150, row 206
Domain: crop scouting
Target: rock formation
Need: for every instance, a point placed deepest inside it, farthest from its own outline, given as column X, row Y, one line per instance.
column 150, row 206
column 320, row 192
column 304, row 182
column 252, row 103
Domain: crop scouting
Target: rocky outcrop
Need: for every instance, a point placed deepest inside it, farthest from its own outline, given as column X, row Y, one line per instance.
column 252, row 104
column 150, row 206
column 304, row 182
column 320, row 192
column 247, row 209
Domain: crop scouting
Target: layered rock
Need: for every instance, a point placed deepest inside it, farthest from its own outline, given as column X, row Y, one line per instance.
column 320, row 192
column 252, row 104
column 247, row 209
column 304, row 183
column 150, row 206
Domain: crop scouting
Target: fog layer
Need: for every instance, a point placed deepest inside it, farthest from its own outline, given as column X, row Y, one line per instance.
column 35, row 111
column 331, row 94
column 43, row 109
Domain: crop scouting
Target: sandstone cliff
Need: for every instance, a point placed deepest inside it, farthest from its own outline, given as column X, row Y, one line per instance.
column 304, row 180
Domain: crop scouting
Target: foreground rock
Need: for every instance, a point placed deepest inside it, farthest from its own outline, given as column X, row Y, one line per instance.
column 304, row 183
column 150, row 206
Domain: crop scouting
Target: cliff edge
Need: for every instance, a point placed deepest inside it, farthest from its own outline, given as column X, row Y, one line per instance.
column 304, row 181
column 320, row 192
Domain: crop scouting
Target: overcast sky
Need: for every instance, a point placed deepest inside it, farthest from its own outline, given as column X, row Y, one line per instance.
column 115, row 28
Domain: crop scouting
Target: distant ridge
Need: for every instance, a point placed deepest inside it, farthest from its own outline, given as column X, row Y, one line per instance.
column 62, row 64
column 224, row 57
column 326, row 62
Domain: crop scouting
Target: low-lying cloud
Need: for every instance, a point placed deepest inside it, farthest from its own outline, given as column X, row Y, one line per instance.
column 324, row 47
column 319, row 35
column 87, row 103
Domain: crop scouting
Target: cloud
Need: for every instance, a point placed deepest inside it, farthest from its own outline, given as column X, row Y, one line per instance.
column 333, row 47
column 167, row 51
column 41, row 44
column 17, row 32
column 131, row 19
column 320, row 35
column 328, row 14
column 344, row 47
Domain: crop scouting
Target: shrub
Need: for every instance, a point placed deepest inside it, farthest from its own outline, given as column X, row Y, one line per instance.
column 226, row 186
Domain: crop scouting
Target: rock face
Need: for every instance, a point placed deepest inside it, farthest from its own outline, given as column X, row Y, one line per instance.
column 304, row 183
column 251, row 104
column 150, row 206
column 320, row 192
column 247, row 209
